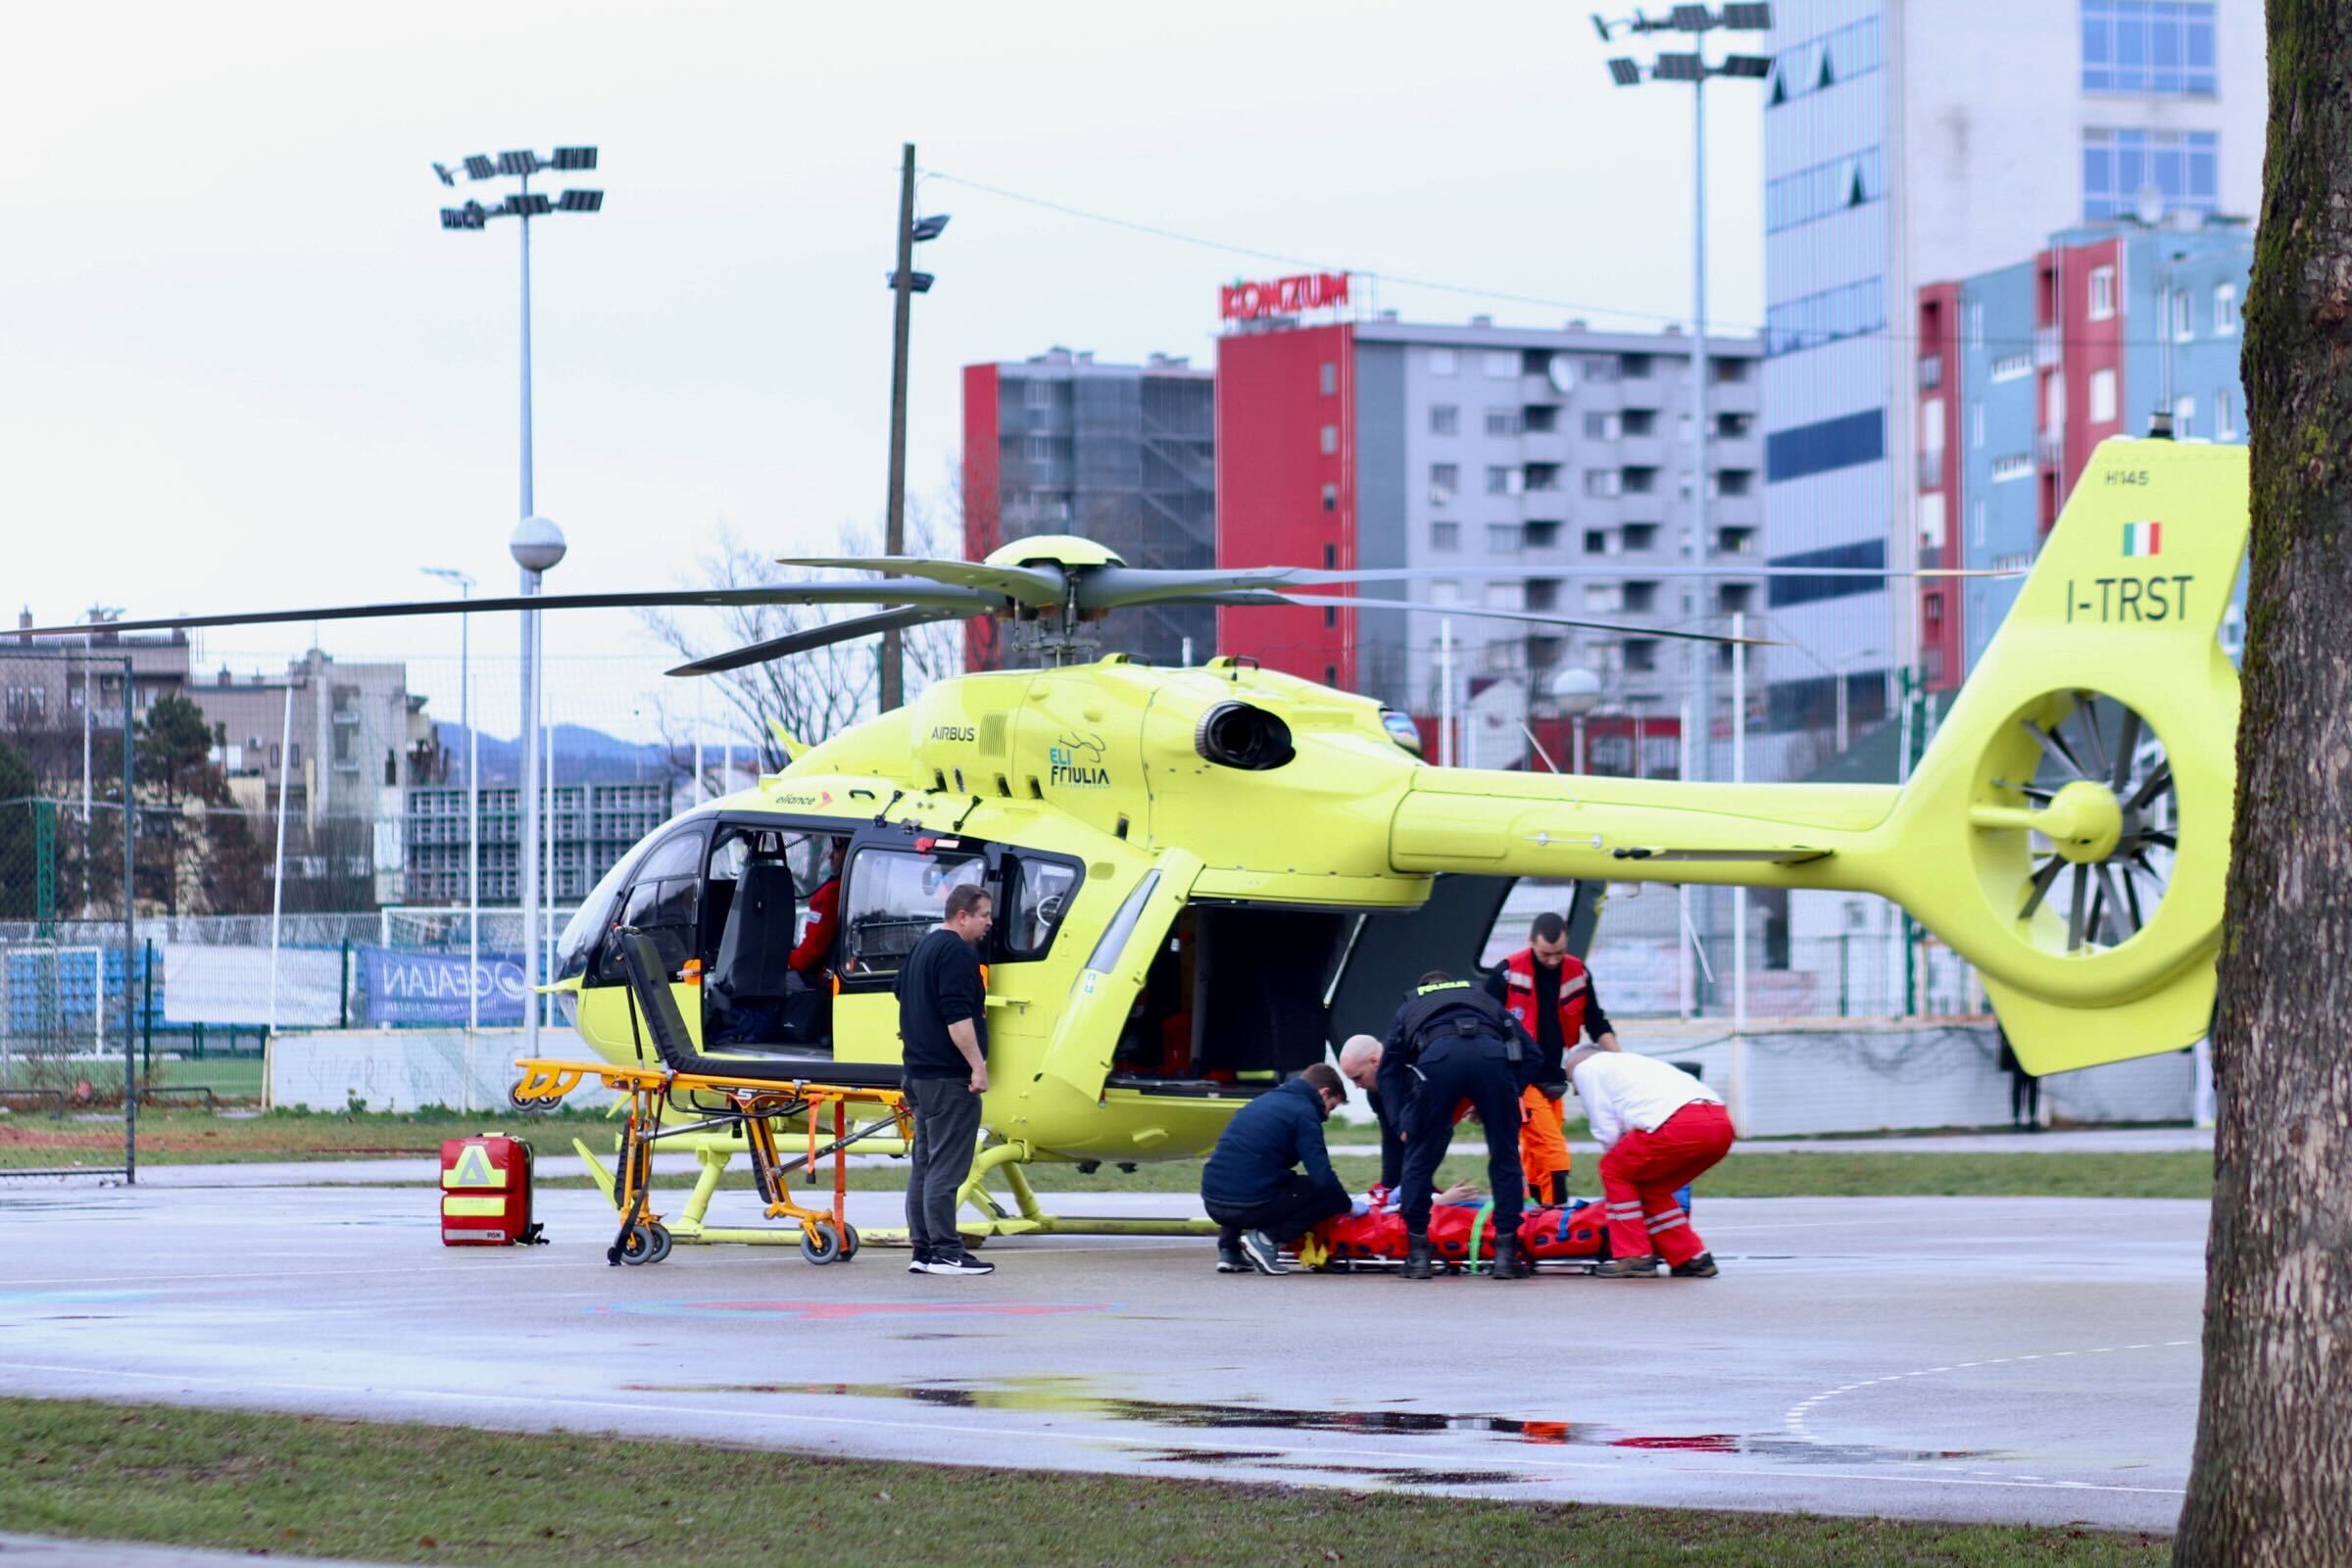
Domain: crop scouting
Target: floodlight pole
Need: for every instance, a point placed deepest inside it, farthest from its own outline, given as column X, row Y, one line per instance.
column 894, row 527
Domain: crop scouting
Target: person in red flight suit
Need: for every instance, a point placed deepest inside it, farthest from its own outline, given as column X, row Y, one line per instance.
column 1659, row 1130
column 815, row 946
column 1550, row 991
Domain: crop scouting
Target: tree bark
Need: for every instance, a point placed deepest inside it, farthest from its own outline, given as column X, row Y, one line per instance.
column 2271, row 1479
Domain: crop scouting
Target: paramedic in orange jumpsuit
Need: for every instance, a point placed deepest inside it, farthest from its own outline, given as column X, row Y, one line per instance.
column 1550, row 991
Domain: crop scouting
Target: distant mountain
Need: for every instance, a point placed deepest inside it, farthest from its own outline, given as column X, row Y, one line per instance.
column 582, row 754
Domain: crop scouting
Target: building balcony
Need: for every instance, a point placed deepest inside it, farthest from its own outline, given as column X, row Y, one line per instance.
column 1641, row 452
column 2045, row 345
column 1931, row 467
column 1931, row 371
column 2050, row 448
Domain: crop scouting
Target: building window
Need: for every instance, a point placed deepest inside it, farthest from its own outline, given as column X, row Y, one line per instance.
column 2012, row 367
column 1502, row 538
column 1600, row 367
column 2150, row 46
column 2102, row 397
column 2102, row 293
column 1825, row 445
column 1606, row 597
column 1505, row 421
column 1825, row 61
column 1446, row 536
column 1596, row 542
column 2224, row 422
column 2185, row 419
column 1640, row 422
column 1038, row 449
column 1541, row 419
column 2015, row 465
column 1634, row 366
column 1975, row 319
column 1329, row 441
column 1640, row 536
column 2224, row 308
column 2184, row 329
column 1330, row 378
column 2182, row 166
column 1849, row 311
column 1868, row 555
column 1445, row 479
column 1601, row 482
column 1502, row 363
column 1331, row 498
column 1038, row 394
column 1851, row 179
column 1441, row 362
column 1501, row 480
column 1543, row 536
column 1445, row 591
column 1977, row 524
column 1503, row 596
column 1445, row 419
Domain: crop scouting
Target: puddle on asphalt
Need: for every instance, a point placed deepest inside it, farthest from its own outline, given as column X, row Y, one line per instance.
column 1080, row 1397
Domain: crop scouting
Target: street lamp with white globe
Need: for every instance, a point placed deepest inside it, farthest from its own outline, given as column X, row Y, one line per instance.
column 1575, row 692
column 537, row 546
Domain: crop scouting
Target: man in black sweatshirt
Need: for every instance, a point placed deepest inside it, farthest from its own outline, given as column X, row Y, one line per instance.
column 1249, row 1184
column 943, row 1024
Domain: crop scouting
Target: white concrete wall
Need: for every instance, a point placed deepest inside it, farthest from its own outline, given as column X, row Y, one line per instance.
column 404, row 1069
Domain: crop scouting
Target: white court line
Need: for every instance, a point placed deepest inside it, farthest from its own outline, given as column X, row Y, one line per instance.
column 1798, row 1413
column 1418, row 1458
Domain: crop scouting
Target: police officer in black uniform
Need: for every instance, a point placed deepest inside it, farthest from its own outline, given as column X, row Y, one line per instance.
column 1449, row 1043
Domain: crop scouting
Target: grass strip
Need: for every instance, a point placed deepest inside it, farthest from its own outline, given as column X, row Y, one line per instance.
column 400, row 1492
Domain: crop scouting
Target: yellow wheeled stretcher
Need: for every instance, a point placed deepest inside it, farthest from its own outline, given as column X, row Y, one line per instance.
column 745, row 1095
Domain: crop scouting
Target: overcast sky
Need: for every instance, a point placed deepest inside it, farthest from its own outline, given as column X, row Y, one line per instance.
column 241, row 364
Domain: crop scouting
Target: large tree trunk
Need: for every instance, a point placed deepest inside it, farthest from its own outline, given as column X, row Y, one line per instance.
column 2272, row 1482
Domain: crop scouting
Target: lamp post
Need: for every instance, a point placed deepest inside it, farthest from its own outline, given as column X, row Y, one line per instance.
column 537, row 544
column 904, row 283
column 1575, row 692
column 1694, row 68
column 473, row 800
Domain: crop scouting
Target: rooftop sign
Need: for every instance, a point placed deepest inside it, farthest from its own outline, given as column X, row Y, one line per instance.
column 1281, row 296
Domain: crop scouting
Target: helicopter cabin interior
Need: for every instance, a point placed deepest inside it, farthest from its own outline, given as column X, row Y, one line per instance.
column 779, row 924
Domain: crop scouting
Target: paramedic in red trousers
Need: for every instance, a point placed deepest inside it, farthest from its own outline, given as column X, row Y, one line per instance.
column 1659, row 1128
column 1550, row 991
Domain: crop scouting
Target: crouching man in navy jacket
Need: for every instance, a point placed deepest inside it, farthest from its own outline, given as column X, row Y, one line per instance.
column 1250, row 1185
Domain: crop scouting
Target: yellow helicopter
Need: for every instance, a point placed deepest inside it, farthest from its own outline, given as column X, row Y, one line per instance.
column 1204, row 876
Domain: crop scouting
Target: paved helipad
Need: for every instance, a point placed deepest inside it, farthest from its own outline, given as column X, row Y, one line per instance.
column 2027, row 1360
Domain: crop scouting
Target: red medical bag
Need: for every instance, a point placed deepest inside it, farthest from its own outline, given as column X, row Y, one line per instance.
column 486, row 1193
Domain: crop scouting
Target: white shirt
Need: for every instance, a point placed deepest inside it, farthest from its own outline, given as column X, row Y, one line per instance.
column 1621, row 1091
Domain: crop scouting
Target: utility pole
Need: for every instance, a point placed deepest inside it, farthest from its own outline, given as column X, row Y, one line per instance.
column 894, row 536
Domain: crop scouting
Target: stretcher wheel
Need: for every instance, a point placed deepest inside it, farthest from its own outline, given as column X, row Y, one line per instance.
column 849, row 1241
column 529, row 1107
column 661, row 1244
column 637, row 1245
column 820, row 1243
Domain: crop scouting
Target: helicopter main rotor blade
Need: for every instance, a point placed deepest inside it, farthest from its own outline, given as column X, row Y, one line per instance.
column 937, row 596
column 808, row 637
column 1263, row 597
column 1031, row 585
column 1115, row 587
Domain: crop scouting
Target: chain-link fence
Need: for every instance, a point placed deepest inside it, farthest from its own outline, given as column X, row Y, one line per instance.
column 67, row 865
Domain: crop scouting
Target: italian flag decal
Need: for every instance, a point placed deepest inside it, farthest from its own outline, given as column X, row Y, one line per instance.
column 2143, row 538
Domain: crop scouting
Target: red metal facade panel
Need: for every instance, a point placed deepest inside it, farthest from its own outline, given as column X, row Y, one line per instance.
column 1940, row 602
column 983, row 499
column 1286, row 488
column 2088, row 347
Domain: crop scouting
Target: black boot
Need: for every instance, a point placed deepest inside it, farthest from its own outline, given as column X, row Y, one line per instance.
column 1417, row 1255
column 1507, row 1264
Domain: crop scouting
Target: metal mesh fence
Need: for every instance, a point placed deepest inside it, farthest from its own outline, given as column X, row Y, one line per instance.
column 67, row 871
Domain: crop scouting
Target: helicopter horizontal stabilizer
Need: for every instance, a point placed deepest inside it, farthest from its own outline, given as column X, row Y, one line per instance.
column 1794, row 854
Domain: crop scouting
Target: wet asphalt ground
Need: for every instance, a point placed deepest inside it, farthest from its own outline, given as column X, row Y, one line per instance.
column 2010, row 1359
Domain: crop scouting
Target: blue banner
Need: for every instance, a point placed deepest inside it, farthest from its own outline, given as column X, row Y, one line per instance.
column 403, row 986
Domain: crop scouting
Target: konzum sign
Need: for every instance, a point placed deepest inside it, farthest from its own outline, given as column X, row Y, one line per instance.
column 1281, row 296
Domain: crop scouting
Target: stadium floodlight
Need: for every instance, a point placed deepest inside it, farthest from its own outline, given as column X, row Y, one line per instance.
column 916, row 282
column 447, row 179
column 580, row 200
column 526, row 204
column 1600, row 26
column 573, row 160
column 525, row 161
column 930, row 227
column 1691, row 19
column 1625, row 72
column 1680, row 68
column 1748, row 17
column 480, row 167
column 454, row 217
column 1753, row 67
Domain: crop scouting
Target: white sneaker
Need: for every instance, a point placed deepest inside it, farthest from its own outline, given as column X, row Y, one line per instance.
column 963, row 1264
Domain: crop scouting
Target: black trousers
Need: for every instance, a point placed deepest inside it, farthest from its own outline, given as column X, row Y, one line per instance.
column 1452, row 1071
column 1296, row 1205
column 947, row 1135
